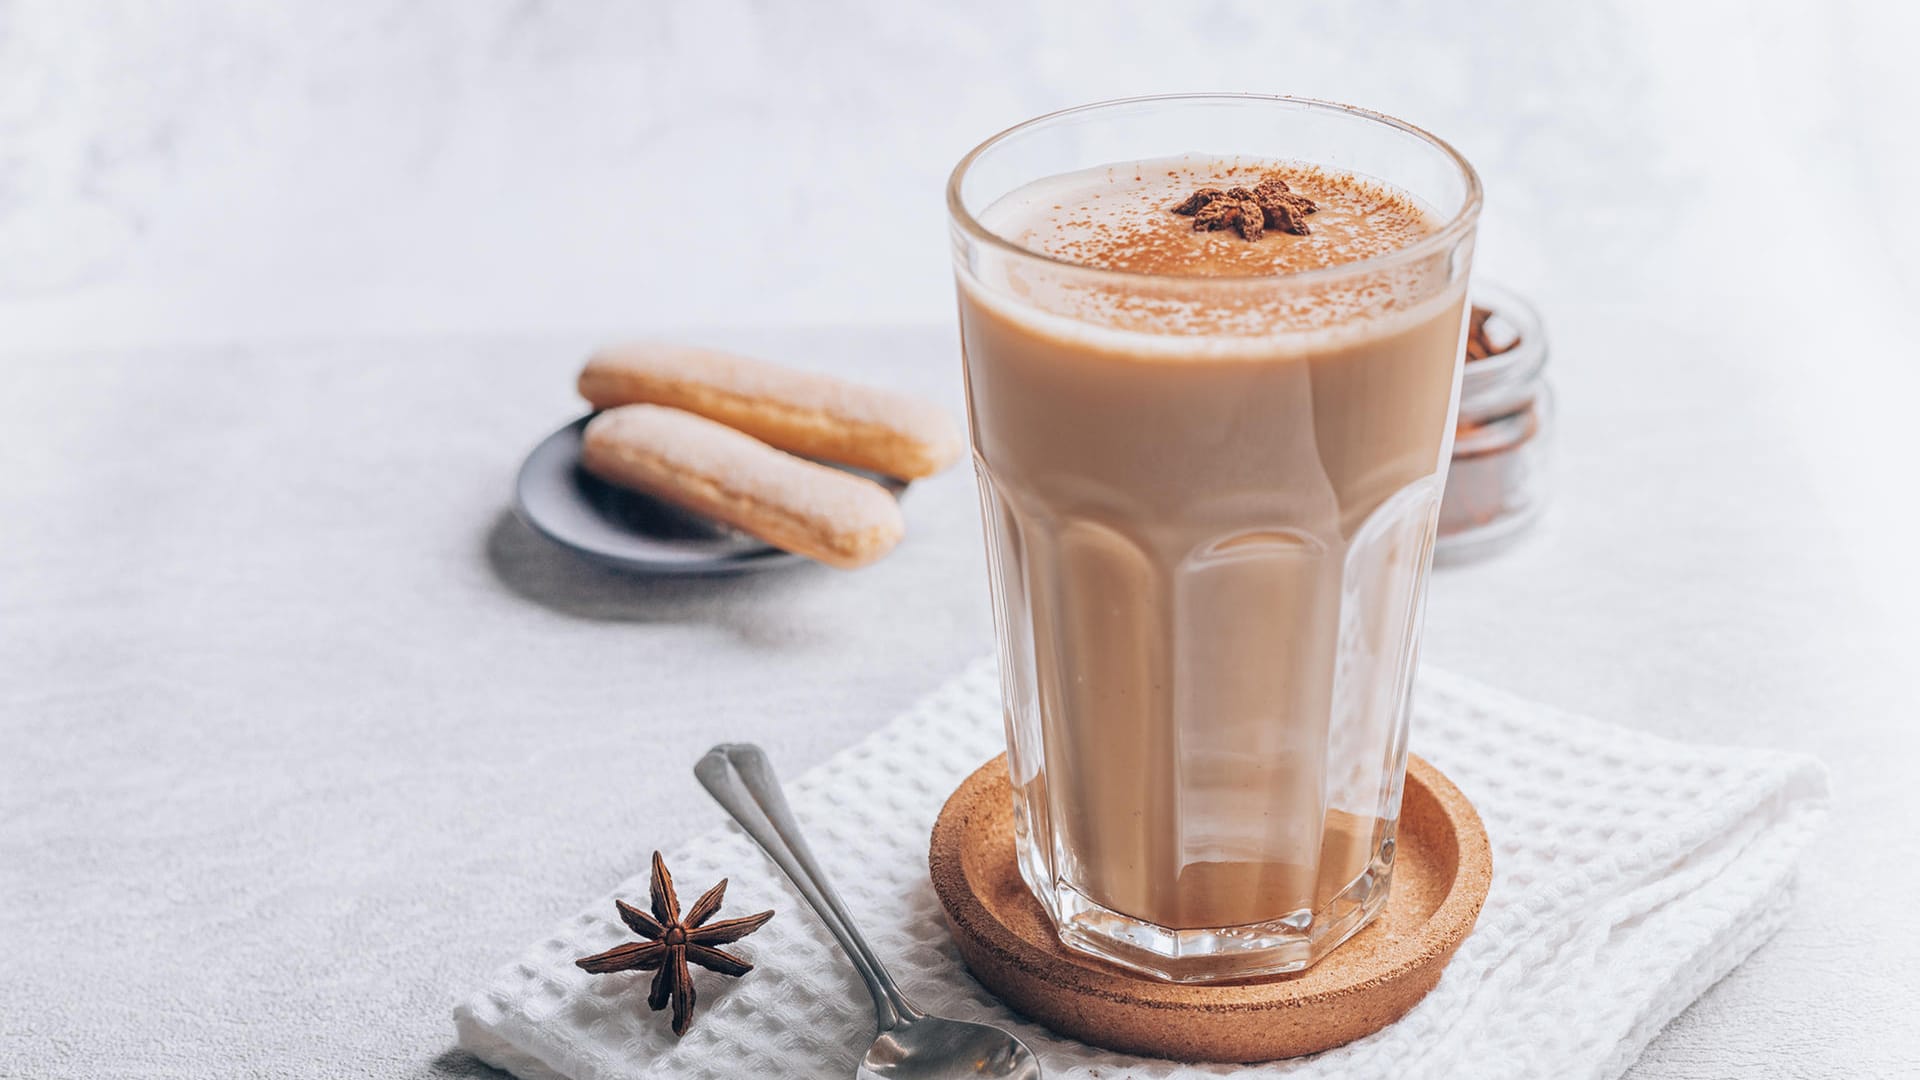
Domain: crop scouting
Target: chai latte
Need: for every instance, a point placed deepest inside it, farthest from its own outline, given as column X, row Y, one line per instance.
column 1210, row 477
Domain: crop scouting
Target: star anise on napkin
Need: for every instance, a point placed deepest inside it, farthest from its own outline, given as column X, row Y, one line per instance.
column 1269, row 205
column 674, row 941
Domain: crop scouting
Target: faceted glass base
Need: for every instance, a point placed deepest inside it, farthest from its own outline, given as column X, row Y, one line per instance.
column 1276, row 947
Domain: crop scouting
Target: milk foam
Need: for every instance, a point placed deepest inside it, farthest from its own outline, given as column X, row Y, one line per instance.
column 1122, row 272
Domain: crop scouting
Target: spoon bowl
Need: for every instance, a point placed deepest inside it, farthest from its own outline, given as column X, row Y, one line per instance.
column 936, row 1048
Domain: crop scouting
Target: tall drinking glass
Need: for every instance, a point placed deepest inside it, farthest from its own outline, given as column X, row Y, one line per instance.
column 1210, row 502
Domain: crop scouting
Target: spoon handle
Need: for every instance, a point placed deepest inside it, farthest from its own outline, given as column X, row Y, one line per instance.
column 741, row 779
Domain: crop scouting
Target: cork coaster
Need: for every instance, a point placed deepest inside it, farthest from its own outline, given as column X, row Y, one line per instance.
column 1442, row 869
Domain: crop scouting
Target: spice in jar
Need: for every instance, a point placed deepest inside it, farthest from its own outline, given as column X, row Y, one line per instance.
column 1497, row 483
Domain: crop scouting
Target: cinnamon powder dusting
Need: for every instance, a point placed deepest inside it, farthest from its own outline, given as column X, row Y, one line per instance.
column 1220, row 218
column 1209, row 219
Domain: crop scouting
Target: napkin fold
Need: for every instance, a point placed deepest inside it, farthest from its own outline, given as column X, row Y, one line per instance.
column 1631, row 872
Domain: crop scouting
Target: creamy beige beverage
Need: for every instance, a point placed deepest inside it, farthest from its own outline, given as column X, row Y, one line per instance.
column 1210, row 505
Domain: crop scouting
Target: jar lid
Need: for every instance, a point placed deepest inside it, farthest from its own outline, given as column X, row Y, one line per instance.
column 1509, row 379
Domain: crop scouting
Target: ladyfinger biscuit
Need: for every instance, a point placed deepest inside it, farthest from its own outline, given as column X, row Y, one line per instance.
column 798, row 411
column 820, row 512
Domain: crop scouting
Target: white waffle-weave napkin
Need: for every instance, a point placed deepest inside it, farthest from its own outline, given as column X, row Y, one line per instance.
column 1630, row 873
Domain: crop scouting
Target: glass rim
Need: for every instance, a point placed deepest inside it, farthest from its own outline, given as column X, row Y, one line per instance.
column 1439, row 240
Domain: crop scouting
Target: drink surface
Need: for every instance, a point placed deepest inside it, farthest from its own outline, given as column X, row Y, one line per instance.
column 1209, row 495
column 1156, row 275
column 1116, row 218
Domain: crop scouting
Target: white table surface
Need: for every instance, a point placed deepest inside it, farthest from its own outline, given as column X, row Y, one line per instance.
column 301, row 733
column 306, row 733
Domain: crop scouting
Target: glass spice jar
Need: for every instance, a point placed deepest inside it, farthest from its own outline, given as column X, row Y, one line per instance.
column 1497, row 483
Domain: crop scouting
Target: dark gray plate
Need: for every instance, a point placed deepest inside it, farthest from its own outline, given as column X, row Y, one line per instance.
column 615, row 527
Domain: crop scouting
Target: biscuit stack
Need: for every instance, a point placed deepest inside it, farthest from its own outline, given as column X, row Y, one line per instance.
column 740, row 441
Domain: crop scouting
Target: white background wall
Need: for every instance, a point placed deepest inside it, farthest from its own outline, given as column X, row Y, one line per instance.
column 228, row 171
column 220, row 177
column 220, row 170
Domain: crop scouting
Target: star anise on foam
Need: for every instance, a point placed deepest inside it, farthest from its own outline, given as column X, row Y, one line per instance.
column 1269, row 205
column 675, row 940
